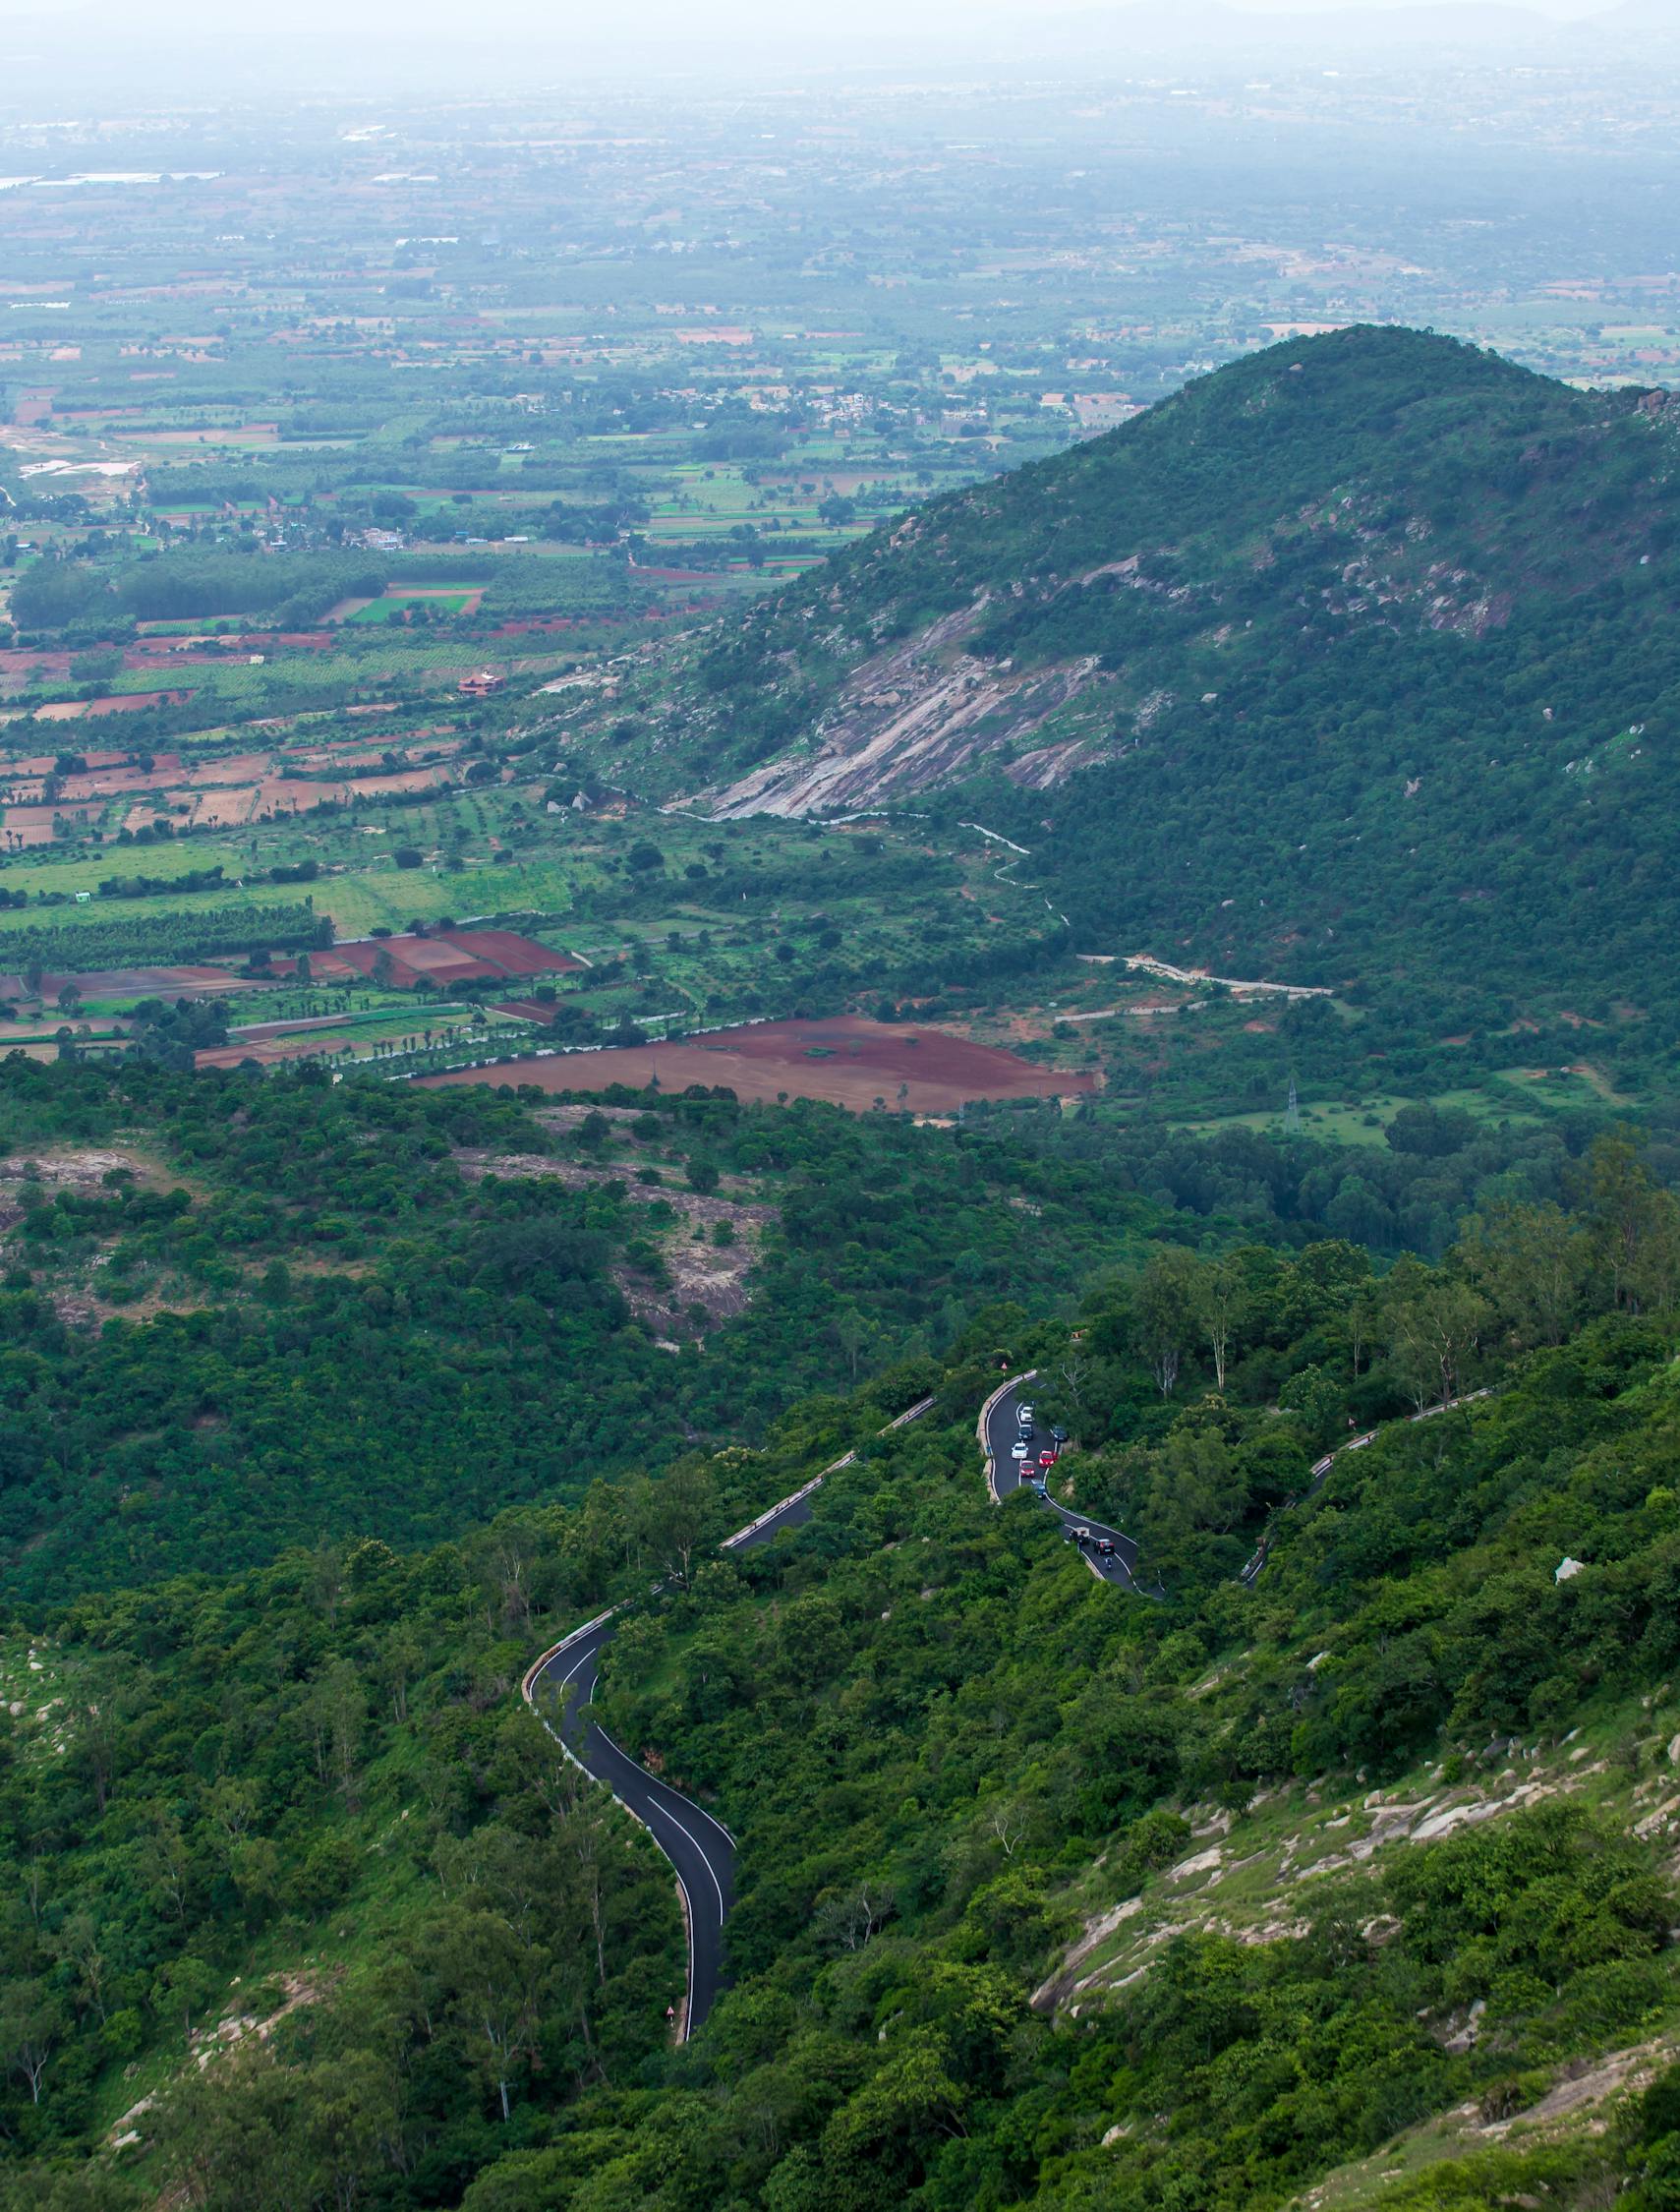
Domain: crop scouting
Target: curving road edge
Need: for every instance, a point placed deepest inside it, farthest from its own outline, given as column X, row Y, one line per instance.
column 996, row 1429
column 559, row 1688
column 1252, row 1572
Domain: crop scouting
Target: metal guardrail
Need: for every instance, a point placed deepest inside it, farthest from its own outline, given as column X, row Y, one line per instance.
column 1250, row 1574
column 1002, row 1390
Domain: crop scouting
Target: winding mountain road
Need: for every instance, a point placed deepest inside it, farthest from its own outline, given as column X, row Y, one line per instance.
column 998, row 1429
column 559, row 1688
column 1321, row 1467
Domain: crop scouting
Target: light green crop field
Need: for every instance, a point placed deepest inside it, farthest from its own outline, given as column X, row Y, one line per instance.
column 217, row 626
column 89, row 870
column 1367, row 1123
column 393, row 898
column 396, row 604
column 282, row 679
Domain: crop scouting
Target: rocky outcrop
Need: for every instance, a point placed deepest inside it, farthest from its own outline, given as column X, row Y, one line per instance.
column 912, row 717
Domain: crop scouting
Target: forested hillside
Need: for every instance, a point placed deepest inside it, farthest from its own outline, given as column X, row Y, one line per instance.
column 948, row 1753
column 238, row 1313
column 1360, row 655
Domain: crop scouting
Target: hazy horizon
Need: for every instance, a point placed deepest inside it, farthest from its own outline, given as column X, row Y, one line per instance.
column 62, row 41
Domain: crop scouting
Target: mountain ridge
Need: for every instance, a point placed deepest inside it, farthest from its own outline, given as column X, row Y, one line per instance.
column 1354, row 588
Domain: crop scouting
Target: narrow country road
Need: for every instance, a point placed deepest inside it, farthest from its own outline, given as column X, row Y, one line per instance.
column 561, row 1690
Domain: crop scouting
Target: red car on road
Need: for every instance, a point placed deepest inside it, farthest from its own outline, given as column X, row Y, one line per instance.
column 1047, row 1459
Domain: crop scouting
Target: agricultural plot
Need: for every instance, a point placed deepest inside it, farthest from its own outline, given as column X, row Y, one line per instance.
column 859, row 1063
column 123, row 985
column 442, row 957
column 391, row 1034
column 398, row 602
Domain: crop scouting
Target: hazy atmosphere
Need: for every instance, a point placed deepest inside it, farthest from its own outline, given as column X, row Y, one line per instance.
column 58, row 37
column 840, row 1107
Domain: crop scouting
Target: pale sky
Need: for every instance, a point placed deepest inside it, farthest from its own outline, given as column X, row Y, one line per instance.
column 194, row 47
column 726, row 22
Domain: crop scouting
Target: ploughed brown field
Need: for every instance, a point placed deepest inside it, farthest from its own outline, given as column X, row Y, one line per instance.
column 447, row 956
column 123, row 982
column 849, row 1061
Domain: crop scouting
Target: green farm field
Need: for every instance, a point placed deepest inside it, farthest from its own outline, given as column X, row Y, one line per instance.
column 1367, row 1122
column 397, row 603
column 337, row 674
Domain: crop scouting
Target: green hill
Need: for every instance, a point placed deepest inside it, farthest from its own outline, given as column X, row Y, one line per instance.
column 1357, row 660
column 1049, row 1896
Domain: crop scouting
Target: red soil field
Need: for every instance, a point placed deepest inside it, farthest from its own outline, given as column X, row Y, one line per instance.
column 109, row 782
column 455, row 955
column 223, row 795
column 23, row 660
column 351, row 757
column 40, row 764
column 266, row 1052
column 237, row 768
column 512, row 953
column 28, row 826
column 858, row 1061
column 129, row 702
column 213, row 809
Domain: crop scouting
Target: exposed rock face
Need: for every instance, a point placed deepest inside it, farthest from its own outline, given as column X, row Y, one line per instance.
column 912, row 717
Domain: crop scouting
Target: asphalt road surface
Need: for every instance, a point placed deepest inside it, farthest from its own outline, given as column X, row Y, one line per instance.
column 561, row 1689
column 1002, row 1431
column 698, row 1846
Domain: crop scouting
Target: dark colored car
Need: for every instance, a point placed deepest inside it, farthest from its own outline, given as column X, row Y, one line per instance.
column 1105, row 1547
column 1057, row 1435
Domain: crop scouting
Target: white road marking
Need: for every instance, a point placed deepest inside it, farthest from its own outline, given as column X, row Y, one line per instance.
column 659, row 1792
column 663, row 1799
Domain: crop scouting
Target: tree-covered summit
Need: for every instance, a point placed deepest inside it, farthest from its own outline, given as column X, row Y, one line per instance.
column 1417, row 433
column 1355, row 662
